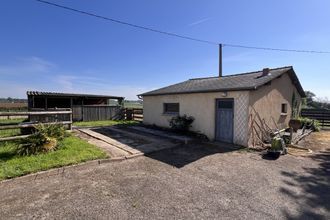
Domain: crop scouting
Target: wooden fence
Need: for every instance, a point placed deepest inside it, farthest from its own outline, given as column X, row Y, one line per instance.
column 44, row 117
column 96, row 113
column 135, row 114
column 322, row 115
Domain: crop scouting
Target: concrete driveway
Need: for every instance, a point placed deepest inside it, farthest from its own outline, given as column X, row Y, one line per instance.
column 189, row 182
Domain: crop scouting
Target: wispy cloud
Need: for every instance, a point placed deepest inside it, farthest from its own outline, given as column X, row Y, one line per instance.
column 85, row 84
column 28, row 65
column 199, row 22
column 35, row 73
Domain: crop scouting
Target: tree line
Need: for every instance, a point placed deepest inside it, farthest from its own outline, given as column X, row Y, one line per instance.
column 311, row 101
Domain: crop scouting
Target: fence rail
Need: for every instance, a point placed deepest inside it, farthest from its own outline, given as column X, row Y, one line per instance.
column 322, row 115
column 96, row 112
column 135, row 114
column 43, row 117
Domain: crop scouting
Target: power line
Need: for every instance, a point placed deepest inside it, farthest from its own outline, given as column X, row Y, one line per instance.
column 275, row 49
column 126, row 23
column 178, row 35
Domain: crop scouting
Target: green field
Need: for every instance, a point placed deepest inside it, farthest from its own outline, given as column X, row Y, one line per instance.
column 72, row 150
column 103, row 123
column 132, row 105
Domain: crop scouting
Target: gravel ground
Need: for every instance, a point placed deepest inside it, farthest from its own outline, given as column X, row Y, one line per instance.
column 189, row 182
column 317, row 141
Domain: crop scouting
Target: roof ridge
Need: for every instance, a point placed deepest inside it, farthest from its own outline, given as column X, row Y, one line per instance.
column 239, row 74
column 44, row 93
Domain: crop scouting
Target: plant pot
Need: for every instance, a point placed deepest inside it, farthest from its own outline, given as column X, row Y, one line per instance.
column 274, row 154
column 295, row 124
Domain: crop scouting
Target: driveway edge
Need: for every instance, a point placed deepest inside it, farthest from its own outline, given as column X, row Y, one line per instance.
column 61, row 170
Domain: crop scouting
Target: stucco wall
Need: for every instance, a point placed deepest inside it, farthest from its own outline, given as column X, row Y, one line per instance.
column 268, row 99
column 202, row 107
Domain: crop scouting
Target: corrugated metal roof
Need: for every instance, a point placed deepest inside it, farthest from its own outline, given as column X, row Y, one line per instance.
column 59, row 94
column 237, row 82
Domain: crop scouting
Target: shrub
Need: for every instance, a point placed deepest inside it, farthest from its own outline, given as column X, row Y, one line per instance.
column 181, row 123
column 54, row 130
column 310, row 124
column 29, row 130
column 44, row 139
column 277, row 144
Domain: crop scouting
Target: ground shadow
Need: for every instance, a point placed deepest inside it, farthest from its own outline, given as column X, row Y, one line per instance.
column 270, row 156
column 185, row 154
column 4, row 156
column 315, row 186
column 7, row 152
column 178, row 154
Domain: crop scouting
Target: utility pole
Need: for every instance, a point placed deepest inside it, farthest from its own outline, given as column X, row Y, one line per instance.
column 220, row 60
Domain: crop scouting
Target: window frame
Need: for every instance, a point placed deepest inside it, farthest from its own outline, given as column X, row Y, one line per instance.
column 284, row 108
column 165, row 108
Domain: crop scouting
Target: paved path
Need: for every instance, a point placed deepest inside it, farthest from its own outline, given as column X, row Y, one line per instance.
column 189, row 182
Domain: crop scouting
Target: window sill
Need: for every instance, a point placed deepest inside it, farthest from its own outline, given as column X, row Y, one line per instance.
column 284, row 114
column 170, row 114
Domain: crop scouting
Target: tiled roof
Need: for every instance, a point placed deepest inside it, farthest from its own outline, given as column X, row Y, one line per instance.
column 59, row 94
column 243, row 81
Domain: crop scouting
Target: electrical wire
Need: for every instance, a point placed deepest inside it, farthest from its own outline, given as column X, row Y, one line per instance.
column 178, row 35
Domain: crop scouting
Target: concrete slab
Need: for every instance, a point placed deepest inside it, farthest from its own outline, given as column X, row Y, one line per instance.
column 112, row 151
column 134, row 134
column 127, row 142
column 110, row 141
column 164, row 134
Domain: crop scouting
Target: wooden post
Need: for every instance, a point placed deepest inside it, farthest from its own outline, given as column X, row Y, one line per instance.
column 220, row 60
column 46, row 104
column 82, row 110
column 70, row 125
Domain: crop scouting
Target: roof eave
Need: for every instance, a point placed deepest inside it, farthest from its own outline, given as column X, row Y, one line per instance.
column 200, row 91
column 297, row 83
column 70, row 95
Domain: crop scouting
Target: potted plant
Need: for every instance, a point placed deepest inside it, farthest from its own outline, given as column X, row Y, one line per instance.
column 277, row 147
column 295, row 124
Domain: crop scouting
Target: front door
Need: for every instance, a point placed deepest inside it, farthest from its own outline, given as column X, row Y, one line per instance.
column 224, row 120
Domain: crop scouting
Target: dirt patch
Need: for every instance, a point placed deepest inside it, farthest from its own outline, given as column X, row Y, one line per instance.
column 317, row 141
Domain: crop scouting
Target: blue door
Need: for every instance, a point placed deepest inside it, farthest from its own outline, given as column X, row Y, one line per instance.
column 224, row 120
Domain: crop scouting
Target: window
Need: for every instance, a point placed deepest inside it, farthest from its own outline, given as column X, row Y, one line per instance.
column 225, row 104
column 284, row 108
column 171, row 108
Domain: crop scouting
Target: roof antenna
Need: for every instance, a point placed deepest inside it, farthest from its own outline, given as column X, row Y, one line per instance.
column 220, row 60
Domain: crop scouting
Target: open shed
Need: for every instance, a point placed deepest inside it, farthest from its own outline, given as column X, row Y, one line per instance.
column 85, row 107
column 45, row 100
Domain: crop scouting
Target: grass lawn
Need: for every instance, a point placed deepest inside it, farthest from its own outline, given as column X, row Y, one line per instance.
column 72, row 150
column 12, row 120
column 103, row 123
column 10, row 132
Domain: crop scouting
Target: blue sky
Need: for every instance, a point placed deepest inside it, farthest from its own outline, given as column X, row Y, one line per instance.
column 51, row 49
